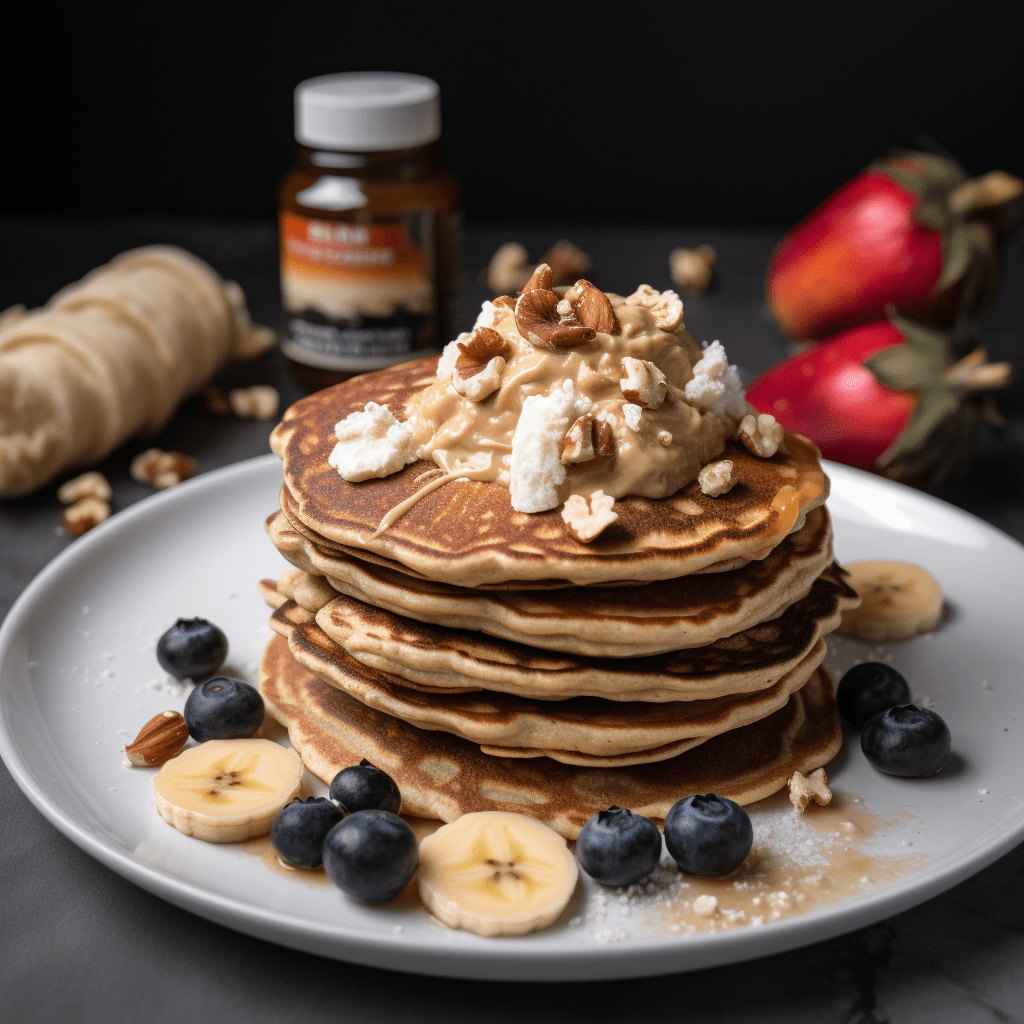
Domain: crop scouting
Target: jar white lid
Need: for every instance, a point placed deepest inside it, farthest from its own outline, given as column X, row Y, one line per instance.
column 366, row 111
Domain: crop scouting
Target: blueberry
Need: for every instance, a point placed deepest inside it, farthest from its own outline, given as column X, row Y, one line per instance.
column 708, row 835
column 618, row 847
column 365, row 788
column 371, row 855
column 192, row 649
column 223, row 709
column 906, row 740
column 868, row 689
column 299, row 829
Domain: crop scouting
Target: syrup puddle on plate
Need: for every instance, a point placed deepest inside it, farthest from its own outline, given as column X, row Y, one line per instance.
column 798, row 863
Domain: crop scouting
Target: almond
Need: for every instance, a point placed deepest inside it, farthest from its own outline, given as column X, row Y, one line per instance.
column 593, row 309
column 164, row 736
column 540, row 278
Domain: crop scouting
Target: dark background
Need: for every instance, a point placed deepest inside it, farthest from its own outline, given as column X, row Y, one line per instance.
column 711, row 113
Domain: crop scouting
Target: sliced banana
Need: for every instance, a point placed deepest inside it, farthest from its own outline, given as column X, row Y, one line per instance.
column 898, row 600
column 227, row 791
column 496, row 873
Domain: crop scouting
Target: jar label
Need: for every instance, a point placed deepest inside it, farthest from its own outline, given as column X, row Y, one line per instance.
column 357, row 296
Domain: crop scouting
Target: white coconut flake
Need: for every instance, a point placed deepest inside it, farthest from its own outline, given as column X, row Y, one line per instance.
column 716, row 384
column 537, row 471
column 371, row 443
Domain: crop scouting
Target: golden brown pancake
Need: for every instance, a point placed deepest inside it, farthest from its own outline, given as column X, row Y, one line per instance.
column 443, row 776
column 468, row 534
column 436, row 658
column 608, row 622
column 582, row 730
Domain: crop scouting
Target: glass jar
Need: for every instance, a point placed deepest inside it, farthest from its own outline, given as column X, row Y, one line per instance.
column 370, row 228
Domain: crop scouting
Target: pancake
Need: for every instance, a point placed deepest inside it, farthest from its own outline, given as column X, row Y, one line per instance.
column 468, row 534
column 607, row 622
column 582, row 730
column 443, row 776
column 439, row 659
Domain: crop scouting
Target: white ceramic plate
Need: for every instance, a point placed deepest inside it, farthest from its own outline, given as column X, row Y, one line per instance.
column 79, row 677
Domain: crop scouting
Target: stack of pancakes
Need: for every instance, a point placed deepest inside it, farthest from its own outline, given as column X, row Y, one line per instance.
column 489, row 661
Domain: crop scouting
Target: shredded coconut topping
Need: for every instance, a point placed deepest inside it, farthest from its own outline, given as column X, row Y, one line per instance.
column 537, row 469
column 716, row 384
column 371, row 443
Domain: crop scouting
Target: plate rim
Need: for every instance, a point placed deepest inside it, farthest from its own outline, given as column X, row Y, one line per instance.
column 499, row 959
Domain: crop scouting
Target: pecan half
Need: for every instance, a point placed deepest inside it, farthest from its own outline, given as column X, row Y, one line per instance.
column 642, row 382
column 540, row 323
column 593, row 309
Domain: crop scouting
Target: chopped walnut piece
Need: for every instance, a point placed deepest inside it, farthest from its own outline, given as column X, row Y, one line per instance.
column 761, row 435
column 716, row 478
column 88, row 485
column 260, row 402
column 84, row 515
column 508, row 269
column 642, row 382
column 593, row 308
column 538, row 319
column 705, row 906
column 578, row 443
column 216, row 401
column 665, row 307
column 691, row 269
column 585, row 524
column 805, row 788
column 161, row 469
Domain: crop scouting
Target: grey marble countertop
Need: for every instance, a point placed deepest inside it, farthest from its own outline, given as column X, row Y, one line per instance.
column 79, row 943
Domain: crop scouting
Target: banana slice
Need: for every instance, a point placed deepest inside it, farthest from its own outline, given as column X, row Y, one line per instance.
column 227, row 791
column 496, row 873
column 898, row 600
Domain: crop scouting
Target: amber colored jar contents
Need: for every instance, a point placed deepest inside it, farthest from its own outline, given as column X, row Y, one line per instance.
column 369, row 222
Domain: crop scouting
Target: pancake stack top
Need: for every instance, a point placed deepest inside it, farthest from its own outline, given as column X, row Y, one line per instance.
column 565, row 566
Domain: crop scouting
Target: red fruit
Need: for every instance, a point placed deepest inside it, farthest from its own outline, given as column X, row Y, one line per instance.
column 910, row 231
column 887, row 396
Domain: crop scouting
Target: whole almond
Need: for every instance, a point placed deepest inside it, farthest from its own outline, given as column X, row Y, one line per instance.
column 164, row 736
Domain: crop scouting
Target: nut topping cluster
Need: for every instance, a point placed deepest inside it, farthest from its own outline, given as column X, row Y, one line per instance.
column 805, row 788
column 587, row 523
column 547, row 321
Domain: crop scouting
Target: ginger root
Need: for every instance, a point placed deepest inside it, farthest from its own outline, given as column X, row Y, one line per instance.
column 112, row 356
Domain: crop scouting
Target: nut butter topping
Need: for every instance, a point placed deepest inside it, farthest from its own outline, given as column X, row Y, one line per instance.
column 603, row 364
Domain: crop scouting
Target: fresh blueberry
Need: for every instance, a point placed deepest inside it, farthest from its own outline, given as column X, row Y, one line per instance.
column 708, row 835
column 365, row 788
column 192, row 649
column 299, row 829
column 223, row 709
column 618, row 847
column 906, row 740
column 868, row 689
column 371, row 855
